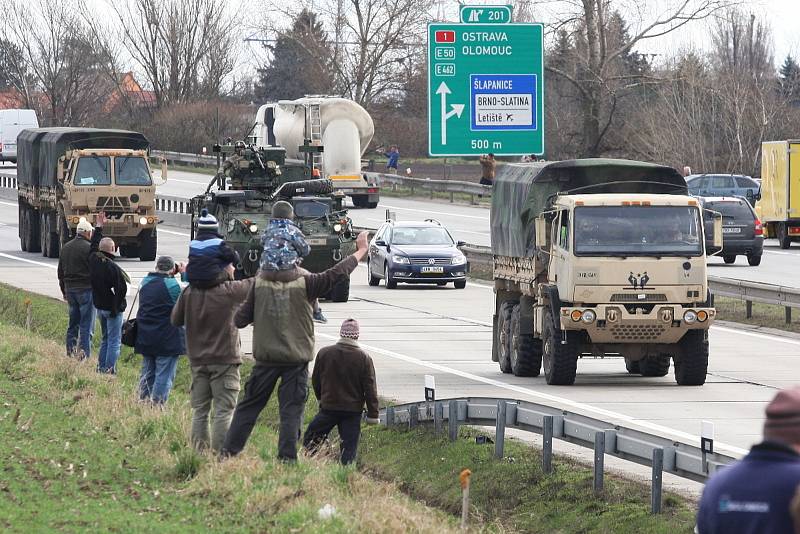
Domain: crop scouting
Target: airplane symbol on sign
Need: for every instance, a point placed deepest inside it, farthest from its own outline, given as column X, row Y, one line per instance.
column 509, row 116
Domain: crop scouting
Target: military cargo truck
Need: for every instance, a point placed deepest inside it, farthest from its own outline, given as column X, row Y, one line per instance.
column 251, row 179
column 68, row 174
column 597, row 258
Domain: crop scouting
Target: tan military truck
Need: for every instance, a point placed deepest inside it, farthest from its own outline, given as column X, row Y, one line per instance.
column 68, row 174
column 599, row 258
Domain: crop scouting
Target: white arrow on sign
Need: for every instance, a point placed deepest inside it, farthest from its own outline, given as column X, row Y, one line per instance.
column 457, row 109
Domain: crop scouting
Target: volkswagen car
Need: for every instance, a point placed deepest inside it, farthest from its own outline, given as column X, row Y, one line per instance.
column 742, row 233
column 415, row 252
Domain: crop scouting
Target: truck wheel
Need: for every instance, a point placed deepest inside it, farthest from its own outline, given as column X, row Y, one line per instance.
column 371, row 279
column 359, row 201
column 34, row 239
column 691, row 368
column 782, row 234
column 526, row 351
column 504, row 337
column 632, row 367
column 560, row 359
column 754, row 261
column 64, row 234
column 148, row 243
column 390, row 282
column 341, row 291
column 371, row 205
column 655, row 365
column 129, row 251
column 49, row 237
column 23, row 227
column 729, row 259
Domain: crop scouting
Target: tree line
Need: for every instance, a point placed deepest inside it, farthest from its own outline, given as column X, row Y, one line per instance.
column 707, row 108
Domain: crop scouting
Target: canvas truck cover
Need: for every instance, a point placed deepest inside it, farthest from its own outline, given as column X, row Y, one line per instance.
column 522, row 191
column 40, row 148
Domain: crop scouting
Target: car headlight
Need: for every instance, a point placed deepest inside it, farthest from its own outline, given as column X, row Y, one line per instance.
column 142, row 220
column 254, row 228
column 337, row 227
column 401, row 259
column 459, row 260
column 690, row 317
column 588, row 316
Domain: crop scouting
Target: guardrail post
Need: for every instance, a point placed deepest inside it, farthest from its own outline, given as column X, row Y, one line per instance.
column 788, row 315
column 438, row 415
column 452, row 419
column 748, row 309
column 413, row 416
column 599, row 458
column 452, row 197
column 655, row 492
column 547, row 444
column 389, row 416
column 500, row 429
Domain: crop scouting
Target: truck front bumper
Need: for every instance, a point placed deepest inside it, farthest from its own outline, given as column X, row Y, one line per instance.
column 118, row 225
column 664, row 324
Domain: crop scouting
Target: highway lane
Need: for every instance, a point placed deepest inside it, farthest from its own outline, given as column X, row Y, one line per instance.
column 413, row 331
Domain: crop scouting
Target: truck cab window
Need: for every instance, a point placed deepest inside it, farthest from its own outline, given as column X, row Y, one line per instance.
column 131, row 171
column 563, row 230
column 93, row 170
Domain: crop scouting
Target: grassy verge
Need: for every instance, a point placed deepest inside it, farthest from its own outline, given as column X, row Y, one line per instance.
column 765, row 315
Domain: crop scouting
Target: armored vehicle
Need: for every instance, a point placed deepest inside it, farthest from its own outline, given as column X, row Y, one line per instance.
column 250, row 180
column 68, row 174
column 597, row 258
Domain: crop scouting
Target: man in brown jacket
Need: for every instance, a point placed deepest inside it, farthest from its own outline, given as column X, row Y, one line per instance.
column 343, row 380
column 488, row 165
column 279, row 305
column 212, row 344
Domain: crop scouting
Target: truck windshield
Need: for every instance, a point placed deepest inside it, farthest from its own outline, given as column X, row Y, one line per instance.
column 312, row 209
column 131, row 171
column 637, row 231
column 92, row 170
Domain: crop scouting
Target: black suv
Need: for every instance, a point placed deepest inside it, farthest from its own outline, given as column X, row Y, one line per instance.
column 415, row 252
column 742, row 234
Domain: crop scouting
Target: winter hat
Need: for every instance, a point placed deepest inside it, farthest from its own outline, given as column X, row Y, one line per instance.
column 165, row 264
column 783, row 417
column 207, row 221
column 85, row 227
column 349, row 329
column 282, row 210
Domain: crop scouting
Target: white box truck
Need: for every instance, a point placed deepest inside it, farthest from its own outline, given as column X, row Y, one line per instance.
column 12, row 122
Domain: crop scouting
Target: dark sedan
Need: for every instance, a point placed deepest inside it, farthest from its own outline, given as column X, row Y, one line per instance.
column 742, row 233
column 415, row 253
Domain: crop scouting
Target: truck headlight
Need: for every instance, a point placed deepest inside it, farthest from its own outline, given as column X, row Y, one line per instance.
column 401, row 259
column 459, row 259
column 253, row 228
column 142, row 220
column 690, row 317
column 337, row 227
column 588, row 316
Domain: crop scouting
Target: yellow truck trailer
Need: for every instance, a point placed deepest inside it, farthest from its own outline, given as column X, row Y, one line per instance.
column 779, row 207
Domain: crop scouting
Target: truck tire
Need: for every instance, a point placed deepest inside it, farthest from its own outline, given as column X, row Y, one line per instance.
column 655, row 365
column 64, row 233
column 341, row 291
column 504, row 335
column 526, row 350
column 782, row 234
column 148, row 245
column 32, row 225
column 129, row 251
column 23, row 227
column 691, row 368
column 633, row 366
column 50, row 243
column 560, row 359
column 359, row 201
column 371, row 205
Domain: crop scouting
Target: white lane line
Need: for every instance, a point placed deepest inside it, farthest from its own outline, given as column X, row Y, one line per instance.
column 26, row 260
column 429, row 212
column 781, row 253
column 190, row 181
column 757, row 335
column 579, row 406
column 12, row 204
column 162, row 231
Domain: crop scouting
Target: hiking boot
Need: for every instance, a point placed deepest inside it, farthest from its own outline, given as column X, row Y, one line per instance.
column 319, row 318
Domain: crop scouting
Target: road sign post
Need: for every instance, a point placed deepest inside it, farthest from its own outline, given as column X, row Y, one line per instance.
column 485, row 87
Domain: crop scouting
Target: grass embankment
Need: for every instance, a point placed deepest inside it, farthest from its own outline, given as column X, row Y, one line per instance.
column 764, row 315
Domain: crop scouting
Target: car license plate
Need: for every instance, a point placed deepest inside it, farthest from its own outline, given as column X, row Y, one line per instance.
column 316, row 241
column 432, row 270
column 731, row 230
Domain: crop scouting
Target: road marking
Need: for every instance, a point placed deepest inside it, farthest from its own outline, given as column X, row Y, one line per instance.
column 26, row 260
column 12, row 204
column 189, row 181
column 429, row 212
column 664, row 431
column 162, row 231
column 757, row 335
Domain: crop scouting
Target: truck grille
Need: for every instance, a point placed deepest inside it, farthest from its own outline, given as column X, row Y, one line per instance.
column 634, row 297
column 425, row 261
column 634, row 332
column 113, row 204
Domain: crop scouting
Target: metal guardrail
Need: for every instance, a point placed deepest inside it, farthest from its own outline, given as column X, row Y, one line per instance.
column 749, row 292
column 659, row 453
column 197, row 160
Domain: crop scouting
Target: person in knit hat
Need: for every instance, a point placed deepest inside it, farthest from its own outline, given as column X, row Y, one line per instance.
column 754, row 495
column 343, row 381
column 209, row 254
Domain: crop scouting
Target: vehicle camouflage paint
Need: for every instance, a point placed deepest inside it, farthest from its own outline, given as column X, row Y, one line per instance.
column 241, row 196
column 68, row 174
column 597, row 258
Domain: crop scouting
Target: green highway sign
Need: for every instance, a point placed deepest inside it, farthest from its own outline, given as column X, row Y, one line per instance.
column 485, row 89
column 486, row 14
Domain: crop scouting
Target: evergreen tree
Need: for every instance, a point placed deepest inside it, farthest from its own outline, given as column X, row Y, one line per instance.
column 301, row 62
column 790, row 78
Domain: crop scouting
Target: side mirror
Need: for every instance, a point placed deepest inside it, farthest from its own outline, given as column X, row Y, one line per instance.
column 380, row 243
column 540, row 228
column 717, row 229
column 758, row 195
column 164, row 169
column 461, row 244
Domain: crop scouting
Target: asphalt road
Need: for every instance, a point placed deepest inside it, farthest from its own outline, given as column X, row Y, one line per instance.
column 413, row 331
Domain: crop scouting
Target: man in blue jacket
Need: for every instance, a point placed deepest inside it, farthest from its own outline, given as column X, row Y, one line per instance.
column 157, row 340
column 753, row 495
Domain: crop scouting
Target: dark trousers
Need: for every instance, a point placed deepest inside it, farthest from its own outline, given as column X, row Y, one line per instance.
column 292, row 396
column 348, row 424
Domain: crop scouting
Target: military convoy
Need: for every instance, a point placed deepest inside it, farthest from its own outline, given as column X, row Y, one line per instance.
column 68, row 174
column 250, row 180
column 596, row 258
